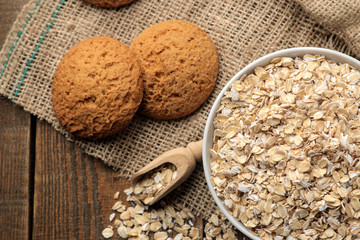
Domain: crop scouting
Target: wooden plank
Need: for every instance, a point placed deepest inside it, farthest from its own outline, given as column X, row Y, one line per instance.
column 15, row 165
column 73, row 192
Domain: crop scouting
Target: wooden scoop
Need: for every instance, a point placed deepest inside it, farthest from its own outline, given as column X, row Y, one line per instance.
column 184, row 160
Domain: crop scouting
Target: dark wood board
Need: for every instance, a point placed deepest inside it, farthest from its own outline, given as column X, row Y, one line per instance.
column 15, row 171
column 73, row 192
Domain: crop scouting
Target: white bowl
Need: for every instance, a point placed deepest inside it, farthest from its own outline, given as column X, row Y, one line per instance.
column 209, row 128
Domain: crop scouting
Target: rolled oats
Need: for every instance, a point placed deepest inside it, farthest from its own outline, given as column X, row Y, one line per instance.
column 178, row 237
column 160, row 235
column 194, row 233
column 155, row 226
column 116, row 195
column 117, row 205
column 152, row 183
column 137, row 221
column 122, row 231
column 107, row 232
column 292, row 132
column 217, row 228
column 111, row 217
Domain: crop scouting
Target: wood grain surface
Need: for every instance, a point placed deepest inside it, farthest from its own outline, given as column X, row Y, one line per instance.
column 16, row 163
column 73, row 192
column 15, row 171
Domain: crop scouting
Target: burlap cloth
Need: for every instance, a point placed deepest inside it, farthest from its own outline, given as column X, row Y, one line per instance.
column 242, row 31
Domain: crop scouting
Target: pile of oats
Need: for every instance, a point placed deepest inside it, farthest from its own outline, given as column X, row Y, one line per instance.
column 138, row 221
column 153, row 182
column 218, row 227
column 285, row 159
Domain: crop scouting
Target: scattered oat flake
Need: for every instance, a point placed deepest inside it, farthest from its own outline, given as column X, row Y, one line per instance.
column 214, row 219
column 116, row 195
column 129, row 191
column 107, row 232
column 194, row 232
column 111, row 217
column 117, row 205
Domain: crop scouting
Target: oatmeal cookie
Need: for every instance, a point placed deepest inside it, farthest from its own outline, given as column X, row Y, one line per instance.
column 179, row 68
column 96, row 89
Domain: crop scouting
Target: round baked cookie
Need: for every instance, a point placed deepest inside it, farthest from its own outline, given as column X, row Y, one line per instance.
column 97, row 88
column 179, row 68
column 109, row 3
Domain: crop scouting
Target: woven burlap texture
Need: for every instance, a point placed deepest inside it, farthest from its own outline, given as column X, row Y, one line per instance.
column 340, row 17
column 241, row 30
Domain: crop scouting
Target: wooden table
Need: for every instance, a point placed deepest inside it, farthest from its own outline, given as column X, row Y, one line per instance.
column 49, row 189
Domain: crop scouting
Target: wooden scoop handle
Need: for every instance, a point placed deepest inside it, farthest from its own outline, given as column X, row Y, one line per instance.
column 195, row 149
